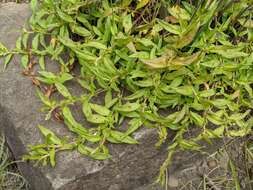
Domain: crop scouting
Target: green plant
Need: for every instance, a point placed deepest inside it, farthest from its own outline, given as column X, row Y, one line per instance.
column 9, row 177
column 143, row 57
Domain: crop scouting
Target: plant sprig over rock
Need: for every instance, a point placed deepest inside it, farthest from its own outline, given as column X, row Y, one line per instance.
column 145, row 58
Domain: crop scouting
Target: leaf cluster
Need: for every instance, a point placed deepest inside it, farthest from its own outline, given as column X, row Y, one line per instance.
column 167, row 65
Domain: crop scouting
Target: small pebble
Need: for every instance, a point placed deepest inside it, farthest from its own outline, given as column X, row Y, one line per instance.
column 173, row 181
column 212, row 164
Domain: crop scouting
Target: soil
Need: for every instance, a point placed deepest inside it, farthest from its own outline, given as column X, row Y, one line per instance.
column 214, row 172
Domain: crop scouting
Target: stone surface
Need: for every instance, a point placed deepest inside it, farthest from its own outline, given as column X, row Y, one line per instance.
column 132, row 167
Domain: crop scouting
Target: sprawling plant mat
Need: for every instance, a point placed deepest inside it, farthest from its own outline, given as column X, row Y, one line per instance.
column 177, row 66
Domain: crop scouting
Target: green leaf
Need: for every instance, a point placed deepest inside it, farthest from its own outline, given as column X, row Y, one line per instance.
column 214, row 119
column 127, row 23
column 44, row 98
column 112, row 102
column 94, row 44
column 142, row 3
column 35, row 42
column 63, row 90
column 70, row 119
column 64, row 16
column 108, row 98
column 126, row 3
column 3, row 50
column 100, row 156
column 136, row 95
column 42, row 62
column 114, row 28
column 176, row 82
column 64, row 77
column 239, row 133
column 140, row 55
column 179, row 13
column 86, row 108
column 197, row 119
column 218, row 132
column 25, row 37
column 24, row 61
column 248, row 23
column 83, row 150
column 97, row 119
column 188, row 144
column 48, row 75
column 85, row 56
column 92, row 153
column 212, row 63
column 48, row 133
column 80, row 30
column 67, row 42
column 19, row 43
column 174, row 29
column 7, row 60
column 90, row 137
column 228, row 52
column 184, row 90
column 181, row 114
column 144, row 83
column 52, row 157
column 146, row 42
column 134, row 124
column 169, row 59
column 85, row 84
column 207, row 93
column 84, row 20
column 128, row 107
column 34, row 4
column 220, row 103
column 100, row 109
column 187, row 37
column 120, row 137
